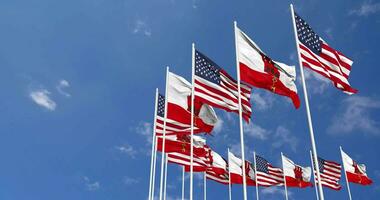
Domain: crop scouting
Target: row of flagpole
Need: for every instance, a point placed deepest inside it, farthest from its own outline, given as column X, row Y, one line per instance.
column 163, row 177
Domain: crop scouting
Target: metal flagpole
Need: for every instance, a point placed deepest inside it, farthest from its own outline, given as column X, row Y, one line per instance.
column 315, row 180
column 229, row 176
column 240, row 116
column 154, row 168
column 314, row 148
column 192, row 119
column 164, row 133
column 153, row 147
column 204, row 186
column 257, row 185
column 183, row 182
column 286, row 188
column 345, row 174
column 166, row 175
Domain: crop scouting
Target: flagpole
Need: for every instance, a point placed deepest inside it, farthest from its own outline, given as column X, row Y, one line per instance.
column 192, row 119
column 283, row 171
column 345, row 174
column 315, row 180
column 153, row 147
column 164, row 133
column 229, row 176
column 204, row 186
column 240, row 116
column 314, row 148
column 154, row 167
column 183, row 182
column 257, row 185
column 166, row 174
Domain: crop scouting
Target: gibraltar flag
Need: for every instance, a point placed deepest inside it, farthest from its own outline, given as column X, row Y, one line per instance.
column 179, row 108
column 236, row 171
column 295, row 175
column 356, row 173
column 258, row 70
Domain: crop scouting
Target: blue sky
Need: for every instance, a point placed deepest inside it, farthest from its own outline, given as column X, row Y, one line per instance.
column 78, row 80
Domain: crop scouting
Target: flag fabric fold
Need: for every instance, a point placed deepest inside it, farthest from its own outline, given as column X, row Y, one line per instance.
column 296, row 175
column 214, row 86
column 330, row 173
column 267, row 175
column 320, row 57
column 356, row 173
column 259, row 70
column 178, row 119
column 235, row 165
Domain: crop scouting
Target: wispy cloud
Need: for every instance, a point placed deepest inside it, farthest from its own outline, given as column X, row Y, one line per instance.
column 141, row 27
column 218, row 126
column 329, row 34
column 42, row 98
column 256, row 131
column 127, row 149
column 262, row 100
column 355, row 114
column 145, row 129
column 366, row 8
column 283, row 137
column 130, row 180
column 270, row 191
column 62, row 85
column 91, row 186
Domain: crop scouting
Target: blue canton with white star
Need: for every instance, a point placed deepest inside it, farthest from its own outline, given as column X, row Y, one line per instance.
column 161, row 105
column 320, row 164
column 261, row 164
column 307, row 36
column 206, row 68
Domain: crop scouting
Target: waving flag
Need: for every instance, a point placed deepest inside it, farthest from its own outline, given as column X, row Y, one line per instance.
column 257, row 69
column 317, row 55
column 267, row 175
column 181, row 144
column 178, row 119
column 356, row 173
column 220, row 178
column 215, row 87
column 235, row 165
column 330, row 173
column 296, row 175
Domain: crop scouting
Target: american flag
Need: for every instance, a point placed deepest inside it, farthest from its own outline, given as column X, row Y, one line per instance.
column 220, row 178
column 330, row 173
column 215, row 87
column 172, row 127
column 321, row 58
column 267, row 175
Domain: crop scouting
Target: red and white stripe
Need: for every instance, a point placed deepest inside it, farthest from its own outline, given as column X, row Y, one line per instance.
column 331, row 64
column 224, row 95
column 220, row 178
column 330, row 175
column 274, row 177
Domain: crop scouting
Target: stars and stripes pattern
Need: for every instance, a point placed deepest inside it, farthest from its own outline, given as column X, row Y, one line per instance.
column 220, row 178
column 217, row 88
column 267, row 175
column 317, row 55
column 330, row 173
column 173, row 127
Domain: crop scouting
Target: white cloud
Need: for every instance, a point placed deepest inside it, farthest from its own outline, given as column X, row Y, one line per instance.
column 41, row 97
column 262, row 100
column 145, row 129
column 218, row 126
column 127, row 149
column 141, row 27
column 366, row 8
column 355, row 115
column 256, row 131
column 91, row 186
column 130, row 181
column 283, row 137
column 275, row 190
column 61, row 86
